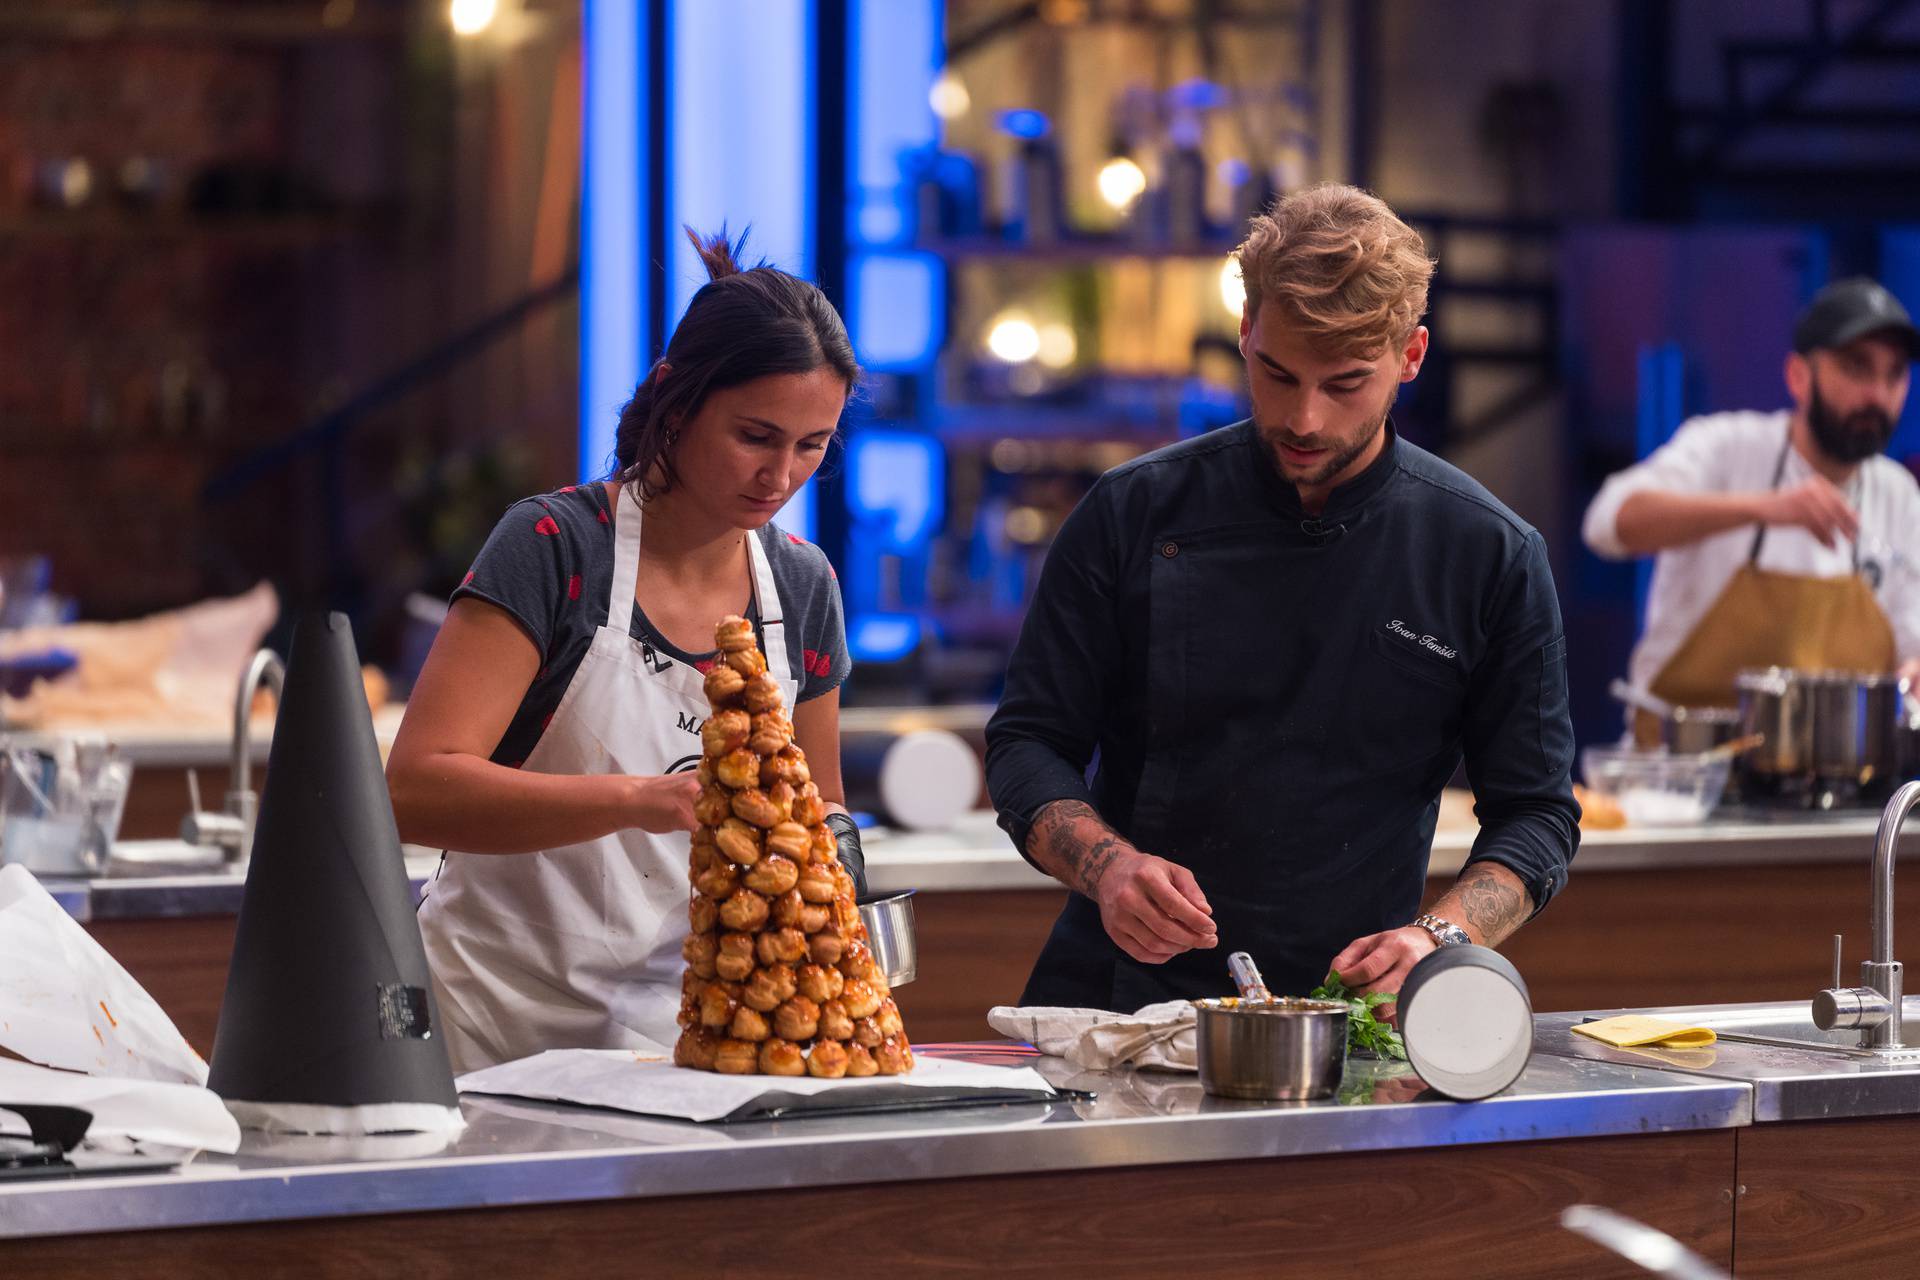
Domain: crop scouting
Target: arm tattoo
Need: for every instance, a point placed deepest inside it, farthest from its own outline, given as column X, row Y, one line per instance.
column 1493, row 904
column 1071, row 842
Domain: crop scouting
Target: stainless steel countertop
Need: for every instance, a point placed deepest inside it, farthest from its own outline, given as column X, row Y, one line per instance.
column 1788, row 1083
column 517, row 1153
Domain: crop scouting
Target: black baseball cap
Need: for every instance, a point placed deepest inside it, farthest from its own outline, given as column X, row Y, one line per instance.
column 1852, row 308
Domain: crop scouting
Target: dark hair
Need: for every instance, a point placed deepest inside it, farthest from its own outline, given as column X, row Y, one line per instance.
column 745, row 323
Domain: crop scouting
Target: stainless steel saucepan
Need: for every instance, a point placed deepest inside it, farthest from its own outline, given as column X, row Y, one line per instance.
column 1273, row 1048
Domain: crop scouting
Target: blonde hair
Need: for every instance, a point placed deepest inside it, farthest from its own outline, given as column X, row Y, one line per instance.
column 1346, row 273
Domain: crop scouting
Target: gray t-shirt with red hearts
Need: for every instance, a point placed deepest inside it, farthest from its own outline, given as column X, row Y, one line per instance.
column 549, row 565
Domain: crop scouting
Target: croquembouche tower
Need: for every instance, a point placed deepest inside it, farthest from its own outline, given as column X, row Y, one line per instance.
column 780, row 979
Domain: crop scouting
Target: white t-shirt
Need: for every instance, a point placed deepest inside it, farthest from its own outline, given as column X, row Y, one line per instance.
column 1737, row 453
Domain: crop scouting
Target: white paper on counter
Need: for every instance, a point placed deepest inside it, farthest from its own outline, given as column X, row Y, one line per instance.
column 67, row 1003
column 1158, row 1037
column 370, row 1119
column 652, row 1085
column 147, row 1112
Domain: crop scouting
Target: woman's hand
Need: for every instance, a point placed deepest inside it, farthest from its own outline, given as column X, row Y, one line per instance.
column 665, row 804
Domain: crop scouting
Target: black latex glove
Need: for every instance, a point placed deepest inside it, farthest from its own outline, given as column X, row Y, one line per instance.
column 847, row 837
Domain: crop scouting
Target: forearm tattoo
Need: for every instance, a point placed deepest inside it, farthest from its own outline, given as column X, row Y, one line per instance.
column 1072, row 843
column 1494, row 905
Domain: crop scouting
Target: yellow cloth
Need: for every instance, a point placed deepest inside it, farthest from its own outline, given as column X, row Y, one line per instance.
column 1638, row 1029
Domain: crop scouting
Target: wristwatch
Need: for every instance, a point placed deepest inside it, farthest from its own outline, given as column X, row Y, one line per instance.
column 1445, row 932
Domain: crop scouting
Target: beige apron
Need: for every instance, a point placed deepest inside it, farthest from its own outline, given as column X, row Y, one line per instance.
column 1766, row 619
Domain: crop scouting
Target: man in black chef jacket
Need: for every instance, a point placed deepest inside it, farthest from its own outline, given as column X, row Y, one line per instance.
column 1275, row 642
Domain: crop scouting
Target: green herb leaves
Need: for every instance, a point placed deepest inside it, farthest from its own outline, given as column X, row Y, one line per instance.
column 1365, row 1033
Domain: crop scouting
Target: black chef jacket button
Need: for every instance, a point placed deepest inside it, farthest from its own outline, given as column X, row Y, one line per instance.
column 1169, row 550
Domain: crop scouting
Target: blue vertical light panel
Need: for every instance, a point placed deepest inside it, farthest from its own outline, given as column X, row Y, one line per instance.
column 613, row 338
column 740, row 121
column 896, row 299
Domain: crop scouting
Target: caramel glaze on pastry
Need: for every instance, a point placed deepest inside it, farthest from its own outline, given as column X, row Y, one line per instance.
column 834, row 1022
column 773, row 875
column 712, row 805
column 724, row 684
column 735, row 961
column 819, row 983
column 772, row 733
column 786, row 909
column 762, row 692
column 816, row 883
column 700, row 951
column 809, row 810
column 756, row 806
column 699, row 1050
column 782, row 1058
column 826, row 947
column 750, row 1024
column 769, row 987
column 733, row 634
column 893, row 1058
column 827, row 1060
column 725, row 731
column 738, row 841
column 740, row 768
column 797, row 1019
column 737, row 1058
column 778, row 946
column 790, row 840
column 746, row 910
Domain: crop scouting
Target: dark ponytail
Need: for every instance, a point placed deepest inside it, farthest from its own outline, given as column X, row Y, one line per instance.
column 744, row 323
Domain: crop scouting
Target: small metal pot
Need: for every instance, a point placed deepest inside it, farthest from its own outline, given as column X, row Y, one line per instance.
column 1774, row 703
column 889, row 922
column 1274, row 1050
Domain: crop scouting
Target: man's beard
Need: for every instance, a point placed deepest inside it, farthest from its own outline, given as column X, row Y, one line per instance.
column 1855, row 438
column 1342, row 457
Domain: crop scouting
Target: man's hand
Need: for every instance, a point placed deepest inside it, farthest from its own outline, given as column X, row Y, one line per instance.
column 1910, row 671
column 1814, row 505
column 1381, row 962
column 1153, row 909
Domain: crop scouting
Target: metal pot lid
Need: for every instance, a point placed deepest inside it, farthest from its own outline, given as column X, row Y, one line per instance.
column 1467, row 1021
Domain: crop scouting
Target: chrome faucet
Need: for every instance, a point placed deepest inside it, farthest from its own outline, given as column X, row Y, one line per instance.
column 1874, row 1005
column 232, row 829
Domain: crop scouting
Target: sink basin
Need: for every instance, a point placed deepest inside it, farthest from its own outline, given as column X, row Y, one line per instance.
column 1767, row 1026
column 1791, row 1026
column 1798, row 1072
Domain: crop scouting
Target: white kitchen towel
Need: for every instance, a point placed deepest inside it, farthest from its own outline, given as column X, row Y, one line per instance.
column 652, row 1085
column 1159, row 1037
column 65, row 1002
column 125, row 1111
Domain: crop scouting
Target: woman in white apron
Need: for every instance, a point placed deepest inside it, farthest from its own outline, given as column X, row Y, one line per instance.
column 557, row 917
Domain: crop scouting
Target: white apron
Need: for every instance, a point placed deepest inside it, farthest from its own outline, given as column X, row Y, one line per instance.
column 579, row 947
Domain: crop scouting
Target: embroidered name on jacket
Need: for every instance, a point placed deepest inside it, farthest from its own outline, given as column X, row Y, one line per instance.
column 1401, row 629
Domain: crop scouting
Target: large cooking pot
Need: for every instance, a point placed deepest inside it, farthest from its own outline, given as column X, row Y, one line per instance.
column 1854, row 716
column 1774, row 703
